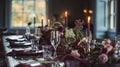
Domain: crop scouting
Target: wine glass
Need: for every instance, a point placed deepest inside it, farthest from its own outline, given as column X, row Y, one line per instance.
column 117, row 45
column 37, row 35
column 55, row 41
column 27, row 33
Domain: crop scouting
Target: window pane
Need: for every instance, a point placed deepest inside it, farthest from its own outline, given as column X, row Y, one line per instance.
column 112, row 14
column 40, row 5
column 17, row 19
column 41, row 10
column 17, row 6
column 23, row 10
column 112, row 22
column 29, row 6
column 112, row 7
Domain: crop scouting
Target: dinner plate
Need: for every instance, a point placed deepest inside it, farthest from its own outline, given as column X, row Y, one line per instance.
column 24, row 53
column 23, row 43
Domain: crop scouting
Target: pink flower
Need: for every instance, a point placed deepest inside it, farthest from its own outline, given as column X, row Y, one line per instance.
column 103, row 58
column 108, row 47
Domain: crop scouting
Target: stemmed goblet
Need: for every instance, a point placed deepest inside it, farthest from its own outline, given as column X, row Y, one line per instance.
column 37, row 35
column 55, row 41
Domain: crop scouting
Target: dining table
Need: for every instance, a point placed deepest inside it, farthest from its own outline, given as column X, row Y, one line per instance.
column 20, row 53
column 25, row 56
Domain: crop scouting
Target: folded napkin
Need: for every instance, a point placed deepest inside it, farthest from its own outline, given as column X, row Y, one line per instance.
column 28, row 65
column 13, row 44
column 24, row 53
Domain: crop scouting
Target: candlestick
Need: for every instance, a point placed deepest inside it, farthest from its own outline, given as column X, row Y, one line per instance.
column 42, row 21
column 34, row 20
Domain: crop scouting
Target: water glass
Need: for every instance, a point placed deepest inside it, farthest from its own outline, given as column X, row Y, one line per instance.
column 117, row 39
column 117, row 46
column 34, row 45
column 47, row 52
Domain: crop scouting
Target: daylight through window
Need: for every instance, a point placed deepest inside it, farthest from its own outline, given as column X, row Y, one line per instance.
column 24, row 11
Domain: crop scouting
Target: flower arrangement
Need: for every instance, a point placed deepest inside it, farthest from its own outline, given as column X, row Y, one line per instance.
column 46, row 33
column 75, row 42
column 69, row 35
column 99, row 54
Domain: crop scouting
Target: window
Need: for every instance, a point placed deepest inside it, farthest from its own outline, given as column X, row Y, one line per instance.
column 112, row 14
column 24, row 11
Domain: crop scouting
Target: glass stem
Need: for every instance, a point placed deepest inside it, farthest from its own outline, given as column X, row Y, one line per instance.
column 55, row 53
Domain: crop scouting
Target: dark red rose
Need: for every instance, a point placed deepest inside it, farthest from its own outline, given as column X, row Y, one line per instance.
column 111, row 53
column 81, row 50
column 43, row 31
column 60, row 50
column 104, row 50
column 60, row 28
column 45, row 36
column 74, row 45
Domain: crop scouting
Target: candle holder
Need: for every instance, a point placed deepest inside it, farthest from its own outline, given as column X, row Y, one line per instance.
column 89, row 39
column 42, row 21
column 88, row 45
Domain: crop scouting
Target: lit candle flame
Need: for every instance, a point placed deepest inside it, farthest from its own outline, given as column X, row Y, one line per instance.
column 66, row 13
column 41, row 17
column 33, row 15
column 90, row 11
column 85, row 11
column 89, row 18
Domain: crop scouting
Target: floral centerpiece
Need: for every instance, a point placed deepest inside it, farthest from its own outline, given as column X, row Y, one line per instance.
column 74, row 41
column 99, row 54
column 69, row 35
column 46, row 32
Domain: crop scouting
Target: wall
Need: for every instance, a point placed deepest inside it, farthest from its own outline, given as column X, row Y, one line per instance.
column 118, row 17
column 2, row 13
column 74, row 8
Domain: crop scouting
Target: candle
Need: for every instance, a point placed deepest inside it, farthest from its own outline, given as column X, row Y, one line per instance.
column 48, row 23
column 88, row 20
column 88, row 46
column 66, row 18
column 42, row 21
